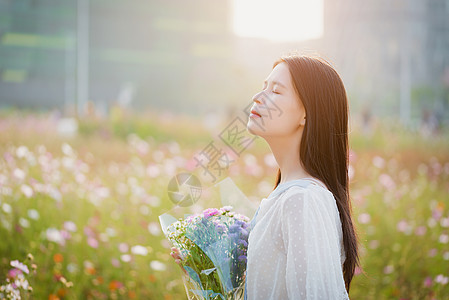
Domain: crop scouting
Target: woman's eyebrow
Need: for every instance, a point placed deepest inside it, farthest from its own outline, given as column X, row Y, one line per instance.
column 276, row 82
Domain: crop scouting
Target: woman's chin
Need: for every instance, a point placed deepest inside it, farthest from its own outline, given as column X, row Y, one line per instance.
column 252, row 128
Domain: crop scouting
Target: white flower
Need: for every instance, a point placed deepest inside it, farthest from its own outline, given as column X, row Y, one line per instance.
column 444, row 238
column 226, row 208
column 33, row 214
column 67, row 149
column 154, row 228
column 72, row 268
column 26, row 190
column 18, row 265
column 7, row 208
column 157, row 265
column 442, row 279
column 54, row 235
column 21, row 151
column 144, row 210
column 378, row 162
column 24, row 222
column 110, row 232
column 19, row 174
column 70, row 226
column 139, row 250
column 125, row 257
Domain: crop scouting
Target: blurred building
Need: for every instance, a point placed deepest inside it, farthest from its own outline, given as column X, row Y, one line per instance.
column 169, row 54
column 394, row 52
column 182, row 55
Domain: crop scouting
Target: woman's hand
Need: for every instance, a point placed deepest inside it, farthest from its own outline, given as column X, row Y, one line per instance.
column 177, row 256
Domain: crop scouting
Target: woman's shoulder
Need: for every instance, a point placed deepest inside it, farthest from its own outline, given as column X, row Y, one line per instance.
column 310, row 196
column 310, row 190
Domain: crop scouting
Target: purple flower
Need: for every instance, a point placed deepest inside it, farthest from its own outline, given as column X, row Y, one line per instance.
column 235, row 228
column 242, row 258
column 243, row 242
column 220, row 228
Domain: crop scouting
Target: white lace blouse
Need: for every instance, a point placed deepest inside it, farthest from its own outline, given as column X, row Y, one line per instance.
column 295, row 246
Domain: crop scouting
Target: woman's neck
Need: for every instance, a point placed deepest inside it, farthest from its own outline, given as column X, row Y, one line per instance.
column 286, row 153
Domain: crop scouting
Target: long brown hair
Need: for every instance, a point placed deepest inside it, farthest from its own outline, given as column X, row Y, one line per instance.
column 324, row 151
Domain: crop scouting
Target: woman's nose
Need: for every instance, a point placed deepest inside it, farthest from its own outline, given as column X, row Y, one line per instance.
column 256, row 98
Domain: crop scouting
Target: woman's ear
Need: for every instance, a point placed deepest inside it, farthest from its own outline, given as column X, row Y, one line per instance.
column 303, row 121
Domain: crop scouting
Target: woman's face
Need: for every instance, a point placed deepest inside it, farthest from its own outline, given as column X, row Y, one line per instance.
column 277, row 110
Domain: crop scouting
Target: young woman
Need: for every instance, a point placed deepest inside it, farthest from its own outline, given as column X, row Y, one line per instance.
column 302, row 243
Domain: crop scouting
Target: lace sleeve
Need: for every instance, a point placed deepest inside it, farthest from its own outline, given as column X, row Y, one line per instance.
column 311, row 243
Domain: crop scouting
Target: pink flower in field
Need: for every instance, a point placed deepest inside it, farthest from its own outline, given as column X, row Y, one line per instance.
column 378, row 162
column 428, row 281
column 374, row 244
column 9, row 158
column 153, row 170
column 364, row 218
column 420, row 230
column 123, row 247
column 352, row 156
column 402, row 226
column 211, row 212
column 92, row 242
column 444, row 238
column 388, row 269
column 65, row 234
column 13, row 273
column 387, row 181
column 88, row 231
column 436, row 214
column 437, row 168
column 70, row 226
column 357, row 271
column 432, row 252
column 115, row 262
column 191, row 164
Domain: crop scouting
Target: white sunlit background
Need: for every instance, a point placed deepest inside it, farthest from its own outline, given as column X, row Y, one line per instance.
column 278, row 21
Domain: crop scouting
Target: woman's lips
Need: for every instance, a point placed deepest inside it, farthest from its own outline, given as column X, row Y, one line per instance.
column 255, row 114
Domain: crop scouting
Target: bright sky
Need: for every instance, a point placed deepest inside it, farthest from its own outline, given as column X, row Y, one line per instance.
column 278, row 20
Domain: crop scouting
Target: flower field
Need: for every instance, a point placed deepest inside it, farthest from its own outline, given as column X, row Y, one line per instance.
column 79, row 213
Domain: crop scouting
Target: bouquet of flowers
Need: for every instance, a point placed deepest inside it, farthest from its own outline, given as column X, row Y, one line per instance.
column 213, row 246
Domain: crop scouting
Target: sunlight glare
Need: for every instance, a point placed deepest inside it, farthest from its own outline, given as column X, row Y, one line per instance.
column 278, row 20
